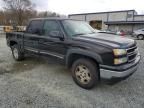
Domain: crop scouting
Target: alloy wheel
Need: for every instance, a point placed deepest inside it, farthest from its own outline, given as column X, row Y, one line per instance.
column 83, row 74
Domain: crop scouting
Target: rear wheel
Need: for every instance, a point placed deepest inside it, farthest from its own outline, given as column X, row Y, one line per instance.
column 140, row 37
column 85, row 73
column 17, row 54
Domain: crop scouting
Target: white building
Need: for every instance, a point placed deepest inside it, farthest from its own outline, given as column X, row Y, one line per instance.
column 126, row 20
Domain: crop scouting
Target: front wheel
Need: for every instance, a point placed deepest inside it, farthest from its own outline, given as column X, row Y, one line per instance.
column 85, row 73
column 140, row 37
column 17, row 54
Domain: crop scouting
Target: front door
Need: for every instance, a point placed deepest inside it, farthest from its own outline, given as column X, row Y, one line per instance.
column 50, row 45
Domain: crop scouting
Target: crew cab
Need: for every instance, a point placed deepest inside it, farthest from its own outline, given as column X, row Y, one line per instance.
column 89, row 55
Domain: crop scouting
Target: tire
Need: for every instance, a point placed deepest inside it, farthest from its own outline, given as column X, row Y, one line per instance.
column 140, row 37
column 85, row 73
column 17, row 54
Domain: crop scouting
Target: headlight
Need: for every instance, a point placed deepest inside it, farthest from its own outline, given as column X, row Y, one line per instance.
column 120, row 60
column 119, row 52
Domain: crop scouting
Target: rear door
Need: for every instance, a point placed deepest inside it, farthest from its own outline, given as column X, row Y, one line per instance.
column 32, row 35
column 50, row 45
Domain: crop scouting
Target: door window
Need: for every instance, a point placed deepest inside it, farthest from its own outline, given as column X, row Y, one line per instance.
column 35, row 27
column 50, row 26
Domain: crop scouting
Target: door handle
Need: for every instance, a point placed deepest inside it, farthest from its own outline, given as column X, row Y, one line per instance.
column 45, row 41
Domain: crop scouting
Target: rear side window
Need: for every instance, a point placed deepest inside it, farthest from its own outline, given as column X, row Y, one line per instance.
column 35, row 27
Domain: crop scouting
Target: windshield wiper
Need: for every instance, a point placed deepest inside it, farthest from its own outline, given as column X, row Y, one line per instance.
column 92, row 33
column 78, row 34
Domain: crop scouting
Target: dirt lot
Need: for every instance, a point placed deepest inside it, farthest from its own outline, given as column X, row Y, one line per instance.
column 46, row 83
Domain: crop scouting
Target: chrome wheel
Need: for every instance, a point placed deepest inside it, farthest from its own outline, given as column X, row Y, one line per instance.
column 83, row 74
column 15, row 53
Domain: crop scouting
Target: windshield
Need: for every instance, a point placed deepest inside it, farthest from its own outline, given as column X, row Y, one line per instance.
column 75, row 28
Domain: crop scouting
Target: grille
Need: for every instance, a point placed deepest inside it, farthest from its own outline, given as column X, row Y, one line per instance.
column 132, row 53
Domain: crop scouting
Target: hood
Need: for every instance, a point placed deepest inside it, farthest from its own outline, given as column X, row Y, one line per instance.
column 107, row 39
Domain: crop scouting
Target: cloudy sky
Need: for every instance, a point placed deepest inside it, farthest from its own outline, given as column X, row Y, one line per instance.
column 84, row 6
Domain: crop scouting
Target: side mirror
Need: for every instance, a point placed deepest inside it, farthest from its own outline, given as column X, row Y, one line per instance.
column 56, row 34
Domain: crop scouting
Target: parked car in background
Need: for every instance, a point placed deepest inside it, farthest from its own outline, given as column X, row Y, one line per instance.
column 121, row 33
column 14, row 28
column 139, row 34
column 7, row 29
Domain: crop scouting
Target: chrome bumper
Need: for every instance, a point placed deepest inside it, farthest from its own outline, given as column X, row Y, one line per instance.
column 109, row 74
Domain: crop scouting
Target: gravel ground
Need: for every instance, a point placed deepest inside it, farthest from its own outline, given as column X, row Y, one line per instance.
column 46, row 83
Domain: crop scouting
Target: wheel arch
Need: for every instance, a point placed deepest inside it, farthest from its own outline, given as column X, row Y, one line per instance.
column 12, row 42
column 140, row 34
column 75, row 54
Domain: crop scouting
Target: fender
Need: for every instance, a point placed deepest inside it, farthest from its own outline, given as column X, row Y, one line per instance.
column 83, row 52
column 15, row 37
column 11, row 41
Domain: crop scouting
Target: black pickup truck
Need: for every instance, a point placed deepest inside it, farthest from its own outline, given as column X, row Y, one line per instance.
column 89, row 55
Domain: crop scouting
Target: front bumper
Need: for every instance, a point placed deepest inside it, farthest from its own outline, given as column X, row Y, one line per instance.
column 121, row 73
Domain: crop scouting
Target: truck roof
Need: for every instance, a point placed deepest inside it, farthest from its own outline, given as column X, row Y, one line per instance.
column 53, row 18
